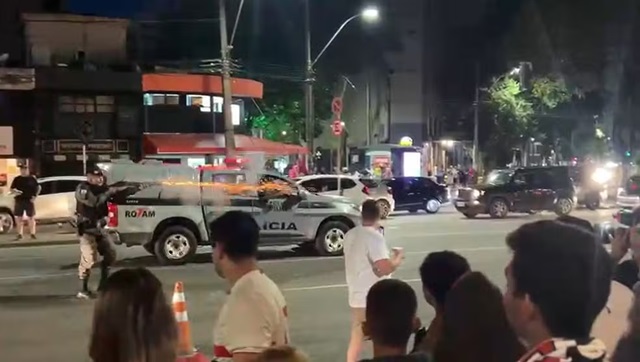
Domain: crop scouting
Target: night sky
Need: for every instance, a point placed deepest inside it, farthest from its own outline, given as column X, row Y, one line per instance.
column 271, row 37
column 113, row 8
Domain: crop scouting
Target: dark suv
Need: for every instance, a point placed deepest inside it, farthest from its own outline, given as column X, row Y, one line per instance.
column 526, row 190
column 417, row 193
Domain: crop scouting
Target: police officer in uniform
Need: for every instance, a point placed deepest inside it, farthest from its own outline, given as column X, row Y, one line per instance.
column 91, row 210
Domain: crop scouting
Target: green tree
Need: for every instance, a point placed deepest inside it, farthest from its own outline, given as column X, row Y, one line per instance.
column 280, row 115
column 517, row 112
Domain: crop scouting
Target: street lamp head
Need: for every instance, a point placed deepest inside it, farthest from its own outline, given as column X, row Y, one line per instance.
column 371, row 14
column 284, row 133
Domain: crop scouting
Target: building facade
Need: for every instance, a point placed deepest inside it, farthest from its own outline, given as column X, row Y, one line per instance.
column 76, row 75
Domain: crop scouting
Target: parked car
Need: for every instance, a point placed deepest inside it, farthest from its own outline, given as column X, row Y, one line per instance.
column 526, row 190
column 417, row 193
column 629, row 195
column 353, row 188
column 55, row 204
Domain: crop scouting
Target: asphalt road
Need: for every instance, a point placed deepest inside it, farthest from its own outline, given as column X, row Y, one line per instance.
column 40, row 320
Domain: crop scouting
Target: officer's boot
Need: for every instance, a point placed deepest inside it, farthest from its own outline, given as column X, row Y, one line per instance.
column 104, row 275
column 85, row 292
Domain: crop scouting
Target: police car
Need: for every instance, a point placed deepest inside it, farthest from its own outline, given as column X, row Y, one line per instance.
column 170, row 207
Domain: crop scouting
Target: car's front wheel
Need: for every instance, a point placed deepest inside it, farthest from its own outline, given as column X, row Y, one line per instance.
column 498, row 209
column 175, row 246
column 330, row 238
column 7, row 222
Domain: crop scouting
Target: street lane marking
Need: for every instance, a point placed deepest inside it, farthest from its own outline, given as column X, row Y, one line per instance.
column 394, row 237
column 291, row 260
column 333, row 286
column 298, row 260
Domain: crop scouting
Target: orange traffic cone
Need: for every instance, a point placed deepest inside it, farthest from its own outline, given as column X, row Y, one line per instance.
column 186, row 350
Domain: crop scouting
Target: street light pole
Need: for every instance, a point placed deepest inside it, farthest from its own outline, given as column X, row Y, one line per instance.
column 308, row 87
column 476, row 119
column 369, row 14
column 225, row 49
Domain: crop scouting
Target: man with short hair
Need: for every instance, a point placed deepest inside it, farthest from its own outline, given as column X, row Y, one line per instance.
column 558, row 281
column 254, row 317
column 439, row 272
column 25, row 189
column 390, row 320
column 367, row 260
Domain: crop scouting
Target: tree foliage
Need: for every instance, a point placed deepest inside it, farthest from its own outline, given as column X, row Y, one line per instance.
column 517, row 111
column 280, row 115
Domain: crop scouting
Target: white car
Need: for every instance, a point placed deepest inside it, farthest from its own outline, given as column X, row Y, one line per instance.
column 55, row 204
column 353, row 188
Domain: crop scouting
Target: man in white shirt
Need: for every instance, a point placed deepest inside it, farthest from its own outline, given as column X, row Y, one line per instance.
column 254, row 317
column 367, row 260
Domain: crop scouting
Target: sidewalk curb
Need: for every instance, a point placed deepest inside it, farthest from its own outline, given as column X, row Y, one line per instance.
column 32, row 244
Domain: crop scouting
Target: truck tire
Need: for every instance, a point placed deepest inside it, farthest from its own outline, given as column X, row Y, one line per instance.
column 176, row 245
column 330, row 238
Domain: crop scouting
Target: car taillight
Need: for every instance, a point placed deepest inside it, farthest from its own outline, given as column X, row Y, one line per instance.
column 113, row 215
column 633, row 186
column 365, row 190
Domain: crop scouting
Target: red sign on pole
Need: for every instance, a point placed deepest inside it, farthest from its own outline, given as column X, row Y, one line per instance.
column 336, row 106
column 336, row 127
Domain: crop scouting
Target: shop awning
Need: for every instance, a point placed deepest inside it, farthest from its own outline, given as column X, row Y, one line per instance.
column 203, row 144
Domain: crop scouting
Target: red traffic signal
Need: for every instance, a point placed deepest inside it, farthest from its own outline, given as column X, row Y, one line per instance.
column 336, row 127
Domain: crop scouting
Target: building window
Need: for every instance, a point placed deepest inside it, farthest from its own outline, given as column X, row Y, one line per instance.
column 235, row 114
column 84, row 104
column 217, row 104
column 201, row 101
column 156, row 99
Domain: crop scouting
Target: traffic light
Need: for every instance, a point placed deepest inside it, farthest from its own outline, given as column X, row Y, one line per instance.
column 627, row 154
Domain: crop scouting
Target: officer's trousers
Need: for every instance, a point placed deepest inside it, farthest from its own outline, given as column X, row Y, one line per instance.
column 90, row 246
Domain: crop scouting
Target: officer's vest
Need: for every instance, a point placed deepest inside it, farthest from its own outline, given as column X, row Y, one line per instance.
column 88, row 213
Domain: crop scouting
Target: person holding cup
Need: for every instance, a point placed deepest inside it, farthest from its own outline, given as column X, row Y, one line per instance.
column 367, row 260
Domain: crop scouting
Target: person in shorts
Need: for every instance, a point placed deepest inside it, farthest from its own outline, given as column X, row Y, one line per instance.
column 25, row 187
column 367, row 260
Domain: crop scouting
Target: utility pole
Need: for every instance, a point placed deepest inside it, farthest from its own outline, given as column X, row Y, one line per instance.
column 308, row 86
column 476, row 119
column 225, row 49
column 368, row 109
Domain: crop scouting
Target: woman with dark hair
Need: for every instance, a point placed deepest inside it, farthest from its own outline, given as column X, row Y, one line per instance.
column 475, row 326
column 133, row 321
column 628, row 349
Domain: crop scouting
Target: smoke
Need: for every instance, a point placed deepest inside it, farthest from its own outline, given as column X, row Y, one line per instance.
column 157, row 181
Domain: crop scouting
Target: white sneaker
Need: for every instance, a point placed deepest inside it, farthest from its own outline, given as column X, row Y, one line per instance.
column 85, row 295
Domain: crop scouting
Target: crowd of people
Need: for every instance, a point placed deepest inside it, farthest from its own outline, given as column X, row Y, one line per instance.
column 559, row 304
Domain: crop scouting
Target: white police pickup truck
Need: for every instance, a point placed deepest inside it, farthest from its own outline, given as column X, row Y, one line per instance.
column 169, row 208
